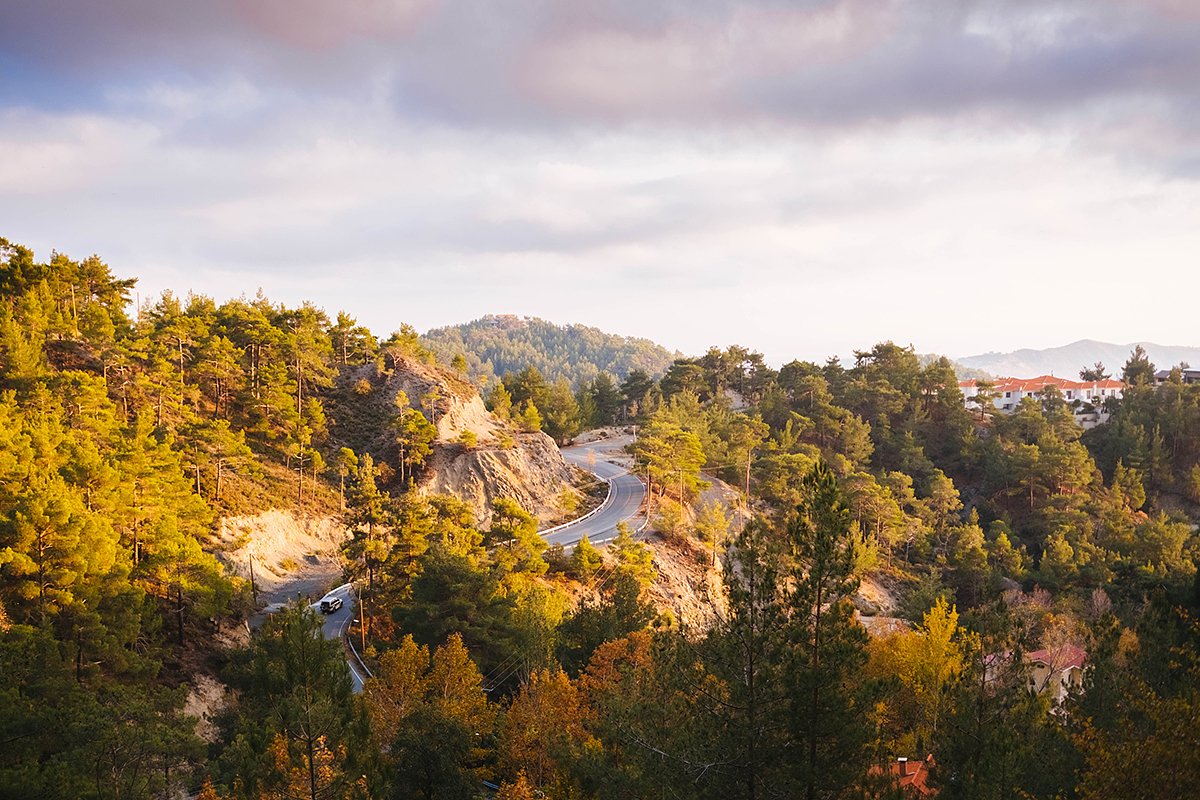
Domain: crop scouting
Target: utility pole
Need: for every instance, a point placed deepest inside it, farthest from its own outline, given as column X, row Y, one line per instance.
column 746, row 500
column 253, row 588
column 362, row 620
column 748, row 454
column 649, row 494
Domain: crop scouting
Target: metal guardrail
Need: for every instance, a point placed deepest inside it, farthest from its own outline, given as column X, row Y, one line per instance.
column 358, row 658
column 350, row 641
column 589, row 515
column 598, row 509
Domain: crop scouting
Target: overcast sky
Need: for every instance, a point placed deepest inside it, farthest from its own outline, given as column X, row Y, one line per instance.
column 803, row 177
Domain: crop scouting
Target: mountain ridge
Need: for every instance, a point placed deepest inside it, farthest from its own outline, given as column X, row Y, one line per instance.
column 1066, row 360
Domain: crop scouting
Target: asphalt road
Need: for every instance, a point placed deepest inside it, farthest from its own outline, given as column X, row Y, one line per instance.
column 623, row 504
column 335, row 626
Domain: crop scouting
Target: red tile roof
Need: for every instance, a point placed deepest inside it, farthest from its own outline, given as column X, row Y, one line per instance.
column 915, row 778
column 1060, row 658
column 1041, row 382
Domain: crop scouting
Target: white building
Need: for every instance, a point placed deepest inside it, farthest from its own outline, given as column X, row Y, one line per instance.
column 1085, row 397
column 1056, row 670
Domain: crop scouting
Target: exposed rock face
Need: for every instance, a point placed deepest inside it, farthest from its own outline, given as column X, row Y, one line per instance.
column 450, row 402
column 206, row 699
column 532, row 472
column 526, row 467
column 288, row 552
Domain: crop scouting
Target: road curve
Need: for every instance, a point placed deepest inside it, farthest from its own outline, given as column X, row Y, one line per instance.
column 335, row 625
column 624, row 502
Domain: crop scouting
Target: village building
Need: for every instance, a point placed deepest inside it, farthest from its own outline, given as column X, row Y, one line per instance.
column 1186, row 375
column 1052, row 671
column 911, row 776
column 1087, row 399
column 1057, row 670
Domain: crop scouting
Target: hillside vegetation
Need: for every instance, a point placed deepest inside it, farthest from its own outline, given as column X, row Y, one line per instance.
column 990, row 539
column 497, row 345
column 139, row 454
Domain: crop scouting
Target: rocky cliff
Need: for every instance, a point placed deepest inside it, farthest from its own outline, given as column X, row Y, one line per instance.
column 476, row 457
column 530, row 471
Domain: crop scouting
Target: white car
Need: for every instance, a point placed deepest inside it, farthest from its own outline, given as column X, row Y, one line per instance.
column 330, row 604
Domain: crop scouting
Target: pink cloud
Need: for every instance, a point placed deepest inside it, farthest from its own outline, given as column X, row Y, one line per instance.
column 1173, row 9
column 695, row 65
column 321, row 25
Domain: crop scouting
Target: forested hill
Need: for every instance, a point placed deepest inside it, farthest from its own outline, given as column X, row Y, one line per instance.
column 961, row 370
column 1009, row 542
column 500, row 344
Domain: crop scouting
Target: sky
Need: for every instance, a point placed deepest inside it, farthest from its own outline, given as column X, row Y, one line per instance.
column 802, row 177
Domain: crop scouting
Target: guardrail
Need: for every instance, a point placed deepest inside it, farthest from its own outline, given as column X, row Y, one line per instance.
column 349, row 640
column 589, row 515
column 357, row 657
column 597, row 510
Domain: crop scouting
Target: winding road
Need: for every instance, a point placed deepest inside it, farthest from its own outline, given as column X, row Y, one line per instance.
column 622, row 504
column 336, row 625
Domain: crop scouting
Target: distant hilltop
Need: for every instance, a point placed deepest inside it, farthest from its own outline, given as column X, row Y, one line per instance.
column 501, row 343
column 1066, row 361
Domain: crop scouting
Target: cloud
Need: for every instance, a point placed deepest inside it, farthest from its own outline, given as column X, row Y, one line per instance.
column 941, row 237
column 954, row 173
column 815, row 62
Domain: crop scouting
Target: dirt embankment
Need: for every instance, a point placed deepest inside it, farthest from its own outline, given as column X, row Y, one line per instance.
column 288, row 554
column 206, row 699
column 688, row 586
column 450, row 402
column 532, row 472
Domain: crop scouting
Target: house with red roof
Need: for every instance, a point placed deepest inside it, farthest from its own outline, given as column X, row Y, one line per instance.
column 1056, row 670
column 1086, row 398
column 910, row 775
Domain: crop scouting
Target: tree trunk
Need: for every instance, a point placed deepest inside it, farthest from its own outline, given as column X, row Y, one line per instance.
column 312, row 769
column 41, row 552
column 179, row 600
column 814, row 700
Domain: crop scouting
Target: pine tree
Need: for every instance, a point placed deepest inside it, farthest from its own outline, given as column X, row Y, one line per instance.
column 830, row 712
column 513, row 533
column 366, row 511
column 585, row 560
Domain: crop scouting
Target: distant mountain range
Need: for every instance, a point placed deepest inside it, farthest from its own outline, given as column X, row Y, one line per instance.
column 1066, row 361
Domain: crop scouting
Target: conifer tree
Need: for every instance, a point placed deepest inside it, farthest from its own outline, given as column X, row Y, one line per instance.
column 830, row 713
